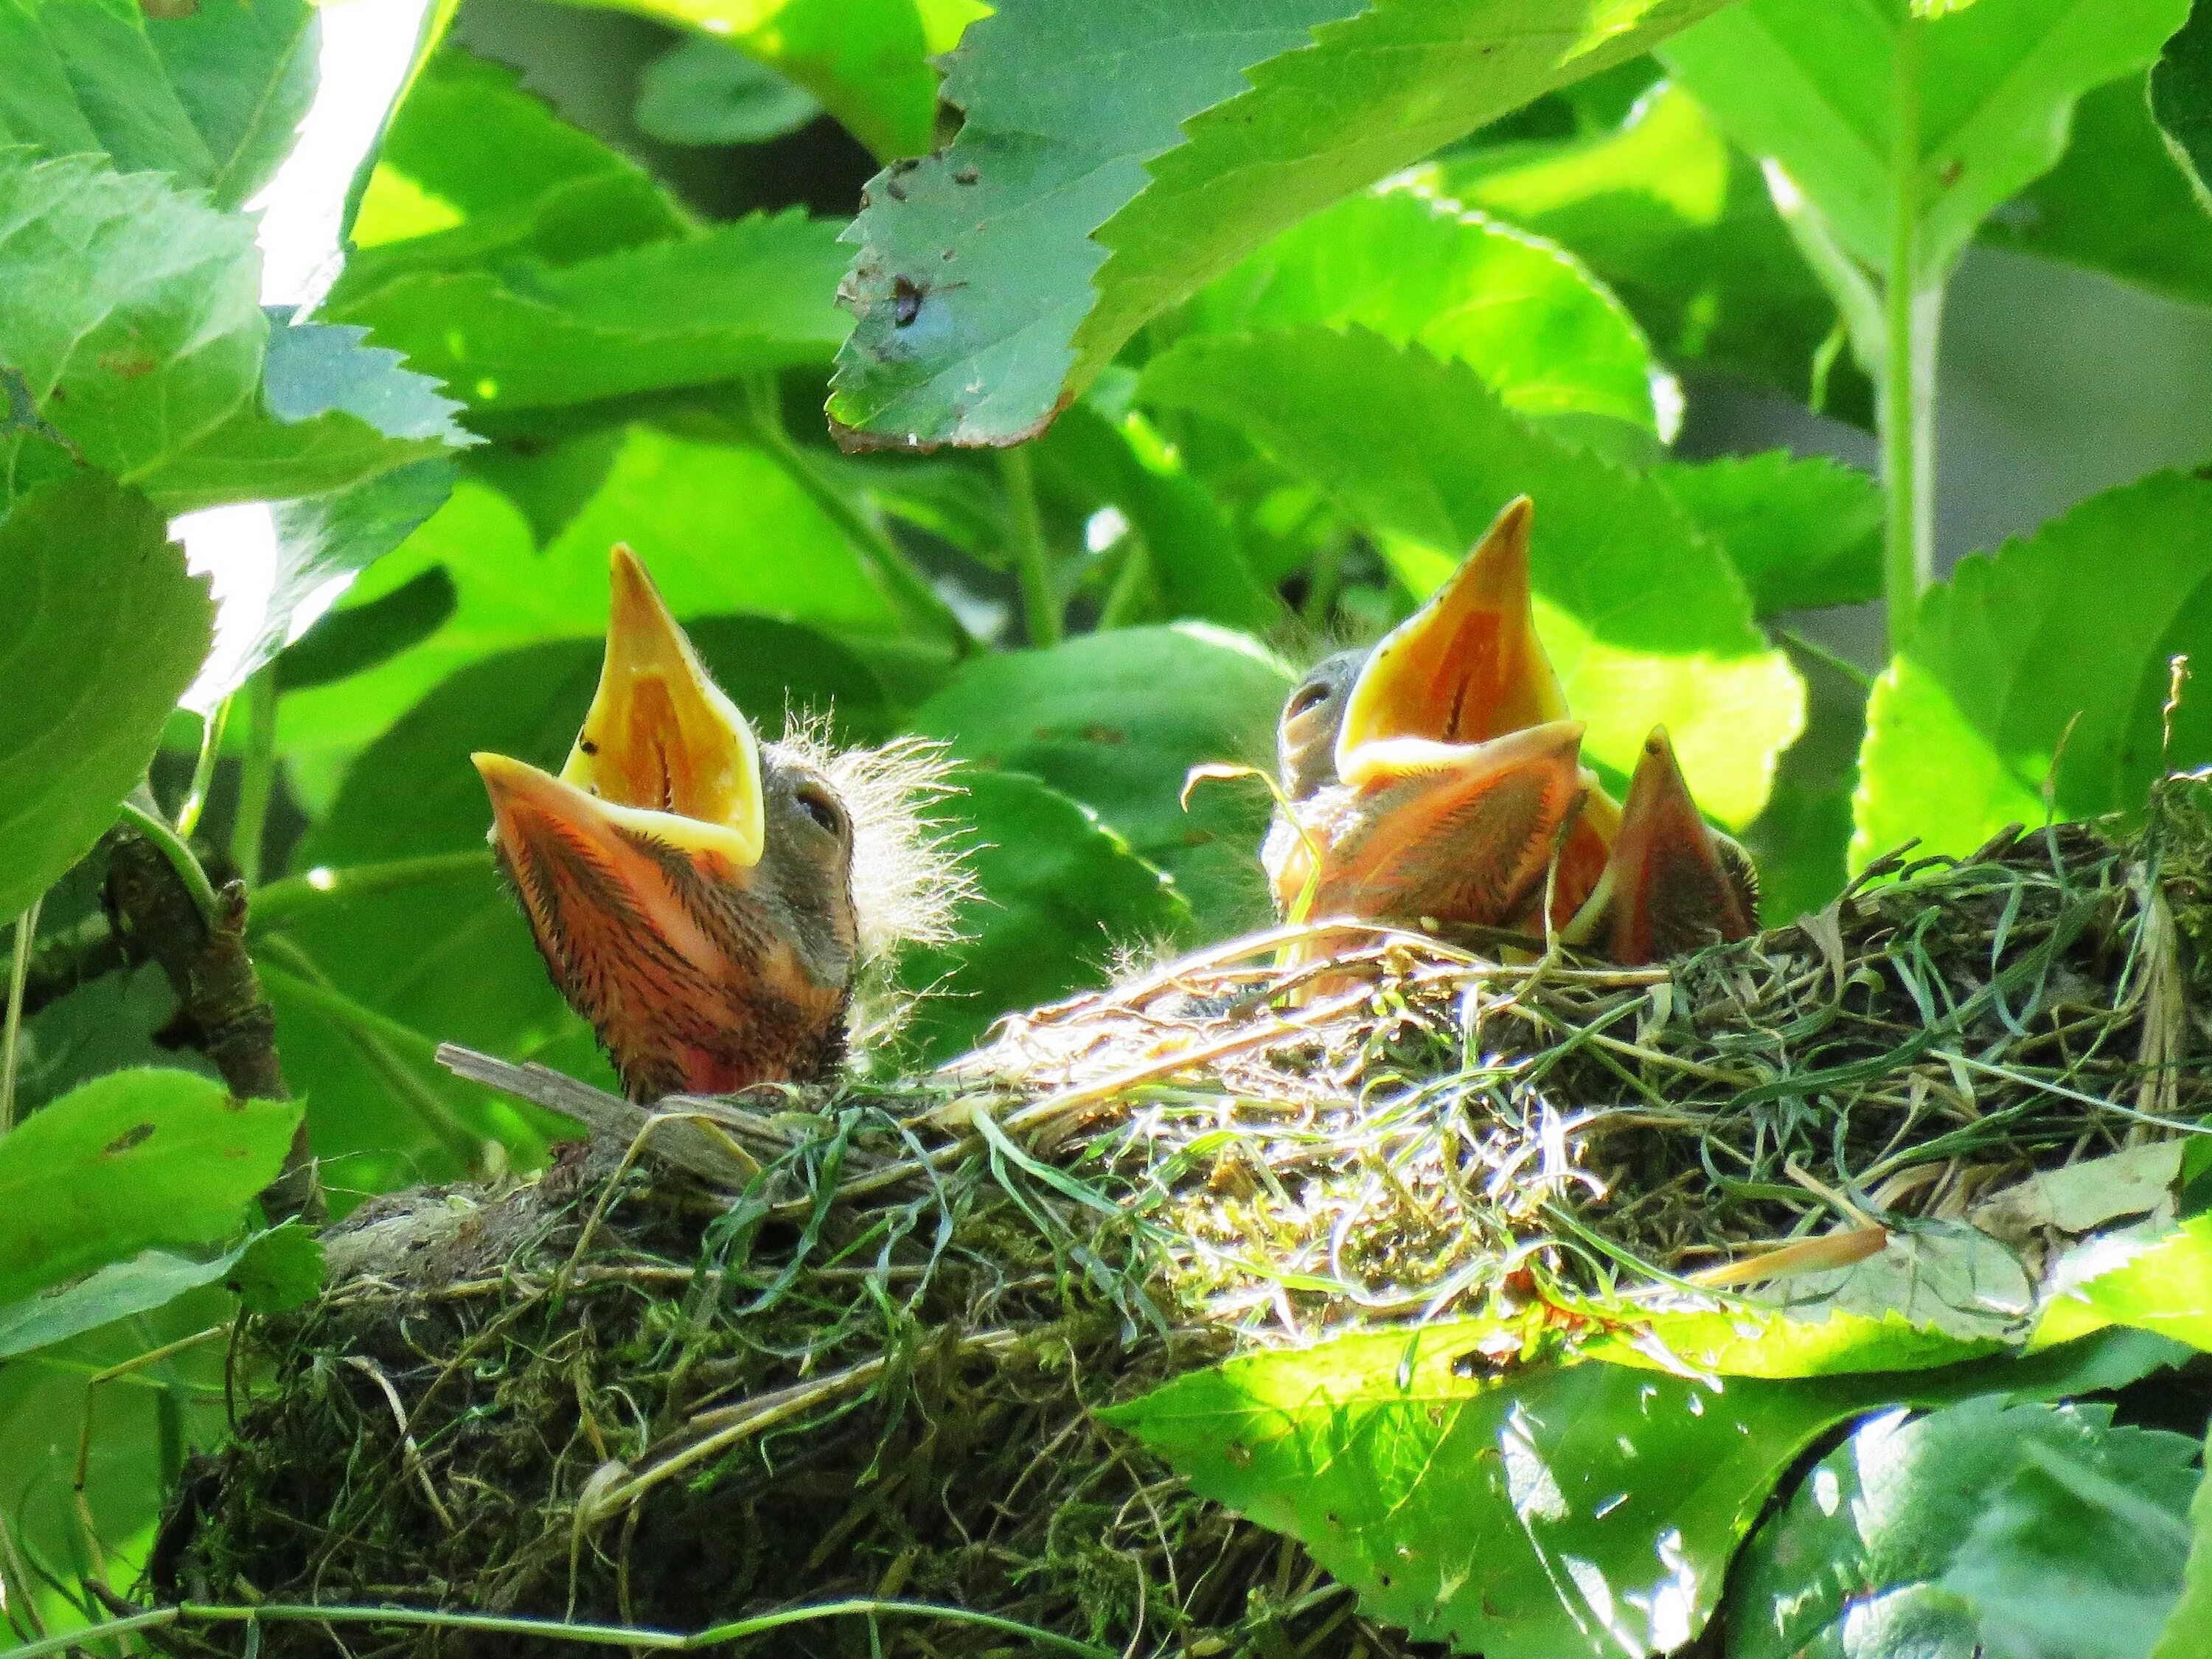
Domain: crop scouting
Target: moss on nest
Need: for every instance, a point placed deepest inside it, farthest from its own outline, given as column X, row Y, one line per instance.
column 868, row 1363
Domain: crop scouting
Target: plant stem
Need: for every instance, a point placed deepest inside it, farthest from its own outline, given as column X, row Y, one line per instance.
column 281, row 901
column 1912, row 311
column 196, row 798
column 378, row 1039
column 173, row 847
column 19, row 975
column 1032, row 559
column 259, row 780
column 918, row 604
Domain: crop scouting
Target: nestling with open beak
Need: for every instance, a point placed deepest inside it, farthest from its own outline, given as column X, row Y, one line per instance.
column 1437, row 776
column 703, row 899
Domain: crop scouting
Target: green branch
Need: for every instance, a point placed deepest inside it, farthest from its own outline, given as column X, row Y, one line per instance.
column 1032, row 558
column 173, row 847
column 281, row 902
column 257, row 782
column 1907, row 412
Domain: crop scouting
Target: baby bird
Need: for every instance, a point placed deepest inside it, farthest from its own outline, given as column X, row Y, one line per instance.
column 706, row 900
column 1436, row 777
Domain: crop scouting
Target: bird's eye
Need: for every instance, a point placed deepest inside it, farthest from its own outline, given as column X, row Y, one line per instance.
column 1307, row 696
column 817, row 805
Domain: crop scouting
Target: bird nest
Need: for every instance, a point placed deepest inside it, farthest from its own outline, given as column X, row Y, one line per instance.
column 831, row 1365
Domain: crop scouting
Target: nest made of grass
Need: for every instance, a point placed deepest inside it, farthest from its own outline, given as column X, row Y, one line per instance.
column 869, row 1362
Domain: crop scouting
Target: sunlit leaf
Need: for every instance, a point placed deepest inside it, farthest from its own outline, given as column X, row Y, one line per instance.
column 1814, row 85
column 1420, row 271
column 130, row 1161
column 1056, row 893
column 1117, row 720
column 2181, row 99
column 2062, row 638
column 1951, row 1527
column 1802, row 533
column 210, row 97
column 997, row 278
column 101, row 632
column 2160, row 1283
column 1642, row 617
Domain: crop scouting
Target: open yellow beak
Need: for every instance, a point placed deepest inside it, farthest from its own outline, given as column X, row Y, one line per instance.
column 1467, row 667
column 662, row 750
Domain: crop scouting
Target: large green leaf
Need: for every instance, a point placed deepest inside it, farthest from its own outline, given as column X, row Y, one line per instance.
column 474, row 169
column 131, row 311
column 2181, row 97
column 2183, row 1635
column 130, row 1161
column 1957, row 1534
column 2115, row 202
column 1418, row 269
column 1056, row 893
column 452, row 959
column 1642, row 615
column 101, row 632
column 867, row 60
column 212, row 96
column 722, row 527
column 1815, row 84
column 2060, row 638
column 1802, row 533
column 1117, row 720
column 2162, row 1284
column 996, row 279
column 1679, row 223
column 273, row 1271
column 708, row 92
column 740, row 298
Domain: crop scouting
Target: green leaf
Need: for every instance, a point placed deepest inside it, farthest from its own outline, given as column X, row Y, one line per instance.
column 1678, row 223
column 1813, row 85
column 2115, row 202
column 1117, row 720
column 707, row 92
column 334, row 413
column 1801, row 839
column 1419, row 270
column 1802, row 533
column 473, row 170
column 741, row 298
column 867, row 60
column 212, row 98
column 2063, row 636
column 102, row 631
column 452, row 959
column 995, row 279
column 1642, row 617
column 351, row 641
column 2183, row 1635
column 270, row 1272
column 1534, row 1514
column 2181, row 99
column 128, row 1161
column 2162, row 1284
column 1056, row 892
column 721, row 527
column 1915, row 1525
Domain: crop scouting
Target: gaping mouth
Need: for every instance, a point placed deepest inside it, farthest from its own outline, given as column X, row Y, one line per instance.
column 1466, row 667
column 663, row 752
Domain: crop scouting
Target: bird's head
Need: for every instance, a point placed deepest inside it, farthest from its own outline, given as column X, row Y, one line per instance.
column 1434, row 774
column 702, row 898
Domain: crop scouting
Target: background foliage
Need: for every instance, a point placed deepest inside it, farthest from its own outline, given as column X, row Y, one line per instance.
column 1279, row 314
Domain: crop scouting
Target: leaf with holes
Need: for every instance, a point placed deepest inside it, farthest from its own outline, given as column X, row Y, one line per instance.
column 134, row 1160
column 2045, row 659
column 994, row 280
